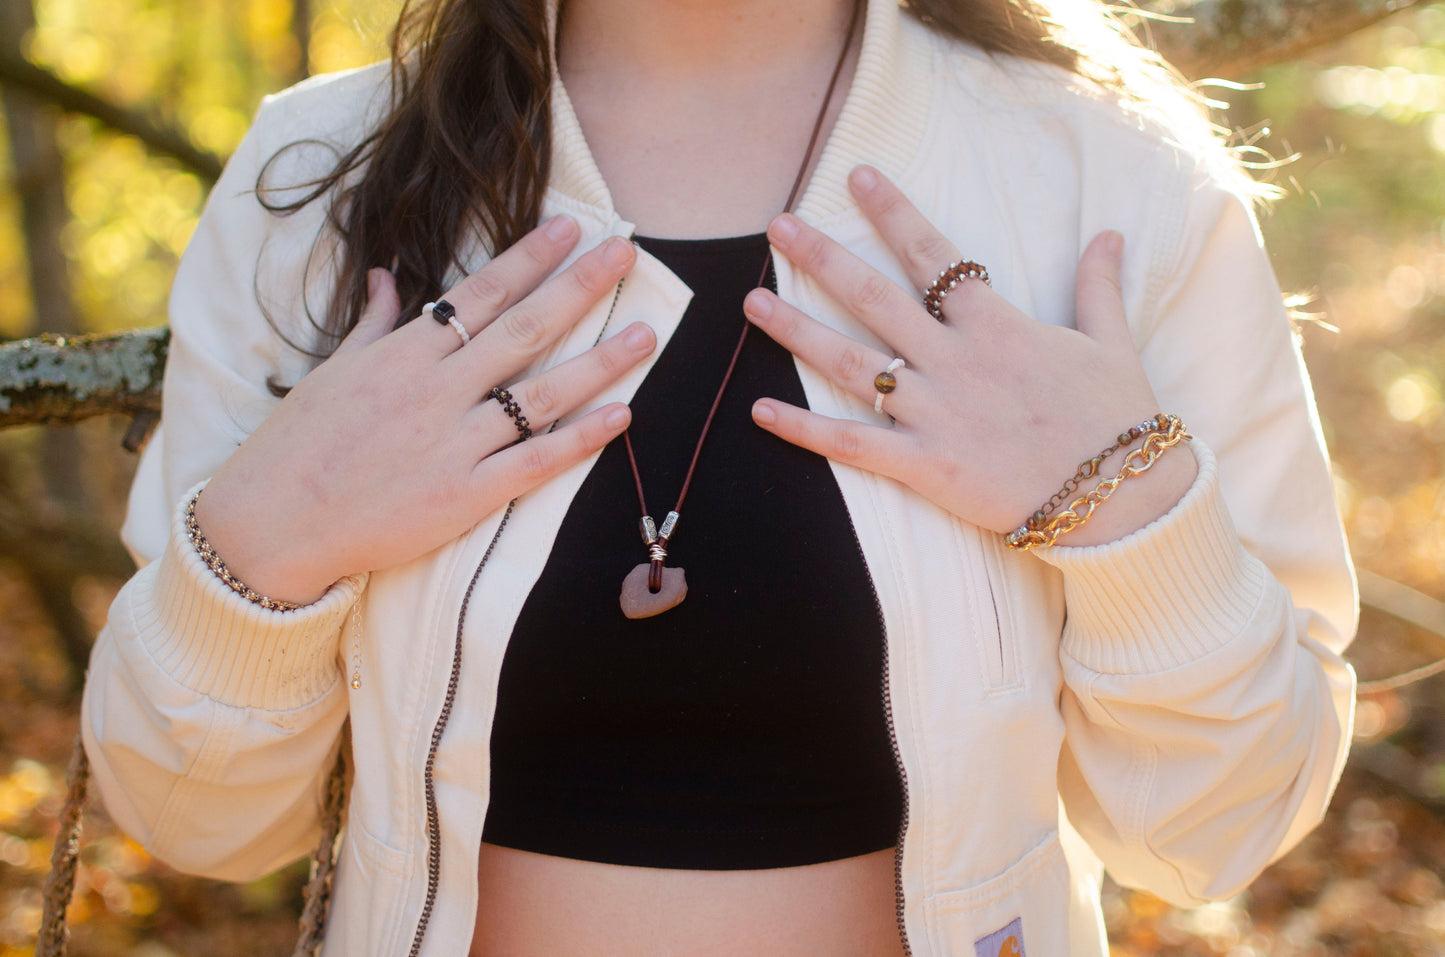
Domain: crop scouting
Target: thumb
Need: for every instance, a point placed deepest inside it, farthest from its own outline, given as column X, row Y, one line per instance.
column 383, row 306
column 1098, row 296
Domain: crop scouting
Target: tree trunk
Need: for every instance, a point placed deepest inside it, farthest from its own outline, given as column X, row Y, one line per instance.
column 40, row 174
column 301, row 30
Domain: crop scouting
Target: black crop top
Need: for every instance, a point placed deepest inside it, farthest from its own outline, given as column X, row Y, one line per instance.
column 744, row 728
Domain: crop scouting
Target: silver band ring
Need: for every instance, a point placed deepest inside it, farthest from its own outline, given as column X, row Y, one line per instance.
column 446, row 314
column 885, row 382
column 955, row 274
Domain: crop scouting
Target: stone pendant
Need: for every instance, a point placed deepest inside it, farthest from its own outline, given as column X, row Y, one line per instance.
column 638, row 602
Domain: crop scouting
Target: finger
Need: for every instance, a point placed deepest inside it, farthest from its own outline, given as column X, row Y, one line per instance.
column 846, row 362
column 383, row 306
column 521, row 333
column 513, row 471
column 506, row 280
column 922, row 250
column 894, row 315
column 547, row 397
column 869, row 447
column 1098, row 296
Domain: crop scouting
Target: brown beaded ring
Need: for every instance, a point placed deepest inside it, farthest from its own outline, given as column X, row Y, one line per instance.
column 937, row 290
column 510, row 406
column 885, row 382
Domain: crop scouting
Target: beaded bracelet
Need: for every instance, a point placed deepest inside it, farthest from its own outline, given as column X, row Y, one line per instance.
column 214, row 563
column 1042, row 529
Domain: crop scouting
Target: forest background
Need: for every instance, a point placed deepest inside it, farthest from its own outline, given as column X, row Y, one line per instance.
column 92, row 223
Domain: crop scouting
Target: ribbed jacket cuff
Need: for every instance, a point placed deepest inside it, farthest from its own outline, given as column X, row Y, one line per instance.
column 1166, row 595
column 218, row 644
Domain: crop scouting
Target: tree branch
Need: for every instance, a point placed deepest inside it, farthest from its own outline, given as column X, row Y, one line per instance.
column 1233, row 38
column 56, row 380
column 24, row 75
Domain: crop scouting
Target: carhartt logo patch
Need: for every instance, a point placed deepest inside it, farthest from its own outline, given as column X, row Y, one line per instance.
column 1008, row 942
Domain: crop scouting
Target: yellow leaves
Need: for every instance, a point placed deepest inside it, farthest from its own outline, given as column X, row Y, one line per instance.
column 83, row 60
column 130, row 220
column 1414, row 397
column 22, row 789
column 1146, row 906
column 28, row 855
column 113, row 250
column 200, row 65
column 218, row 128
column 267, row 18
column 340, row 43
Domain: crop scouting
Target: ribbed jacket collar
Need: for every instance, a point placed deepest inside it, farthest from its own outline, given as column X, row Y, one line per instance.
column 882, row 121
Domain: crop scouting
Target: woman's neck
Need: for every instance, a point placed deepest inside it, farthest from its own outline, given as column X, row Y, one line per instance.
column 698, row 112
column 693, row 42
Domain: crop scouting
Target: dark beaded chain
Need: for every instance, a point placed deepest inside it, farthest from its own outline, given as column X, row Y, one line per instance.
column 213, row 562
column 1090, row 468
column 510, row 406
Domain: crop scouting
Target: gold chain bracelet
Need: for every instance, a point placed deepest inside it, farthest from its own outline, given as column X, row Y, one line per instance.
column 1037, row 532
column 1089, row 468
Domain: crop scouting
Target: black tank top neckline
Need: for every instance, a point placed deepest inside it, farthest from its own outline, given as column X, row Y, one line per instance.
column 744, row 728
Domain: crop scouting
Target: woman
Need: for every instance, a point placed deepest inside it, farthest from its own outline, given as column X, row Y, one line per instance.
column 869, row 727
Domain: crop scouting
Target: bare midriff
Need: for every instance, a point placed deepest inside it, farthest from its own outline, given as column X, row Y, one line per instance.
column 535, row 905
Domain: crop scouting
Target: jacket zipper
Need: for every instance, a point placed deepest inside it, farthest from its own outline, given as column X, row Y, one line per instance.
column 433, row 820
column 898, row 902
column 433, row 823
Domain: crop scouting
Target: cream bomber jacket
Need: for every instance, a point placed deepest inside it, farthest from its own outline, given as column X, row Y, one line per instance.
column 1175, row 698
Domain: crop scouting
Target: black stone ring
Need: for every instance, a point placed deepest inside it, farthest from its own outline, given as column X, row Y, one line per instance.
column 443, row 312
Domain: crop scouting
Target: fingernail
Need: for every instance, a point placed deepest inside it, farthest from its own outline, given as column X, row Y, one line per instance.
column 758, row 304
column 618, row 252
column 559, row 227
column 617, row 418
column 865, row 179
column 638, row 337
column 783, row 228
column 1114, row 244
column 764, row 414
column 373, row 282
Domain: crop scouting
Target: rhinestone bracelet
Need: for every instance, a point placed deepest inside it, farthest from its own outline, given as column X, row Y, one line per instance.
column 214, row 563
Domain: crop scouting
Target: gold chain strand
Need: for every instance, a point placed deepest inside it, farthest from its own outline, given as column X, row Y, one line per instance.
column 1082, row 509
column 1090, row 468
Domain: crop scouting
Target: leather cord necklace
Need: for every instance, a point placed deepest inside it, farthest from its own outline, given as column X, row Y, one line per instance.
column 653, row 587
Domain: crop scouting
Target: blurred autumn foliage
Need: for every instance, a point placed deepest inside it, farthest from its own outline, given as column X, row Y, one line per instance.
column 1359, row 130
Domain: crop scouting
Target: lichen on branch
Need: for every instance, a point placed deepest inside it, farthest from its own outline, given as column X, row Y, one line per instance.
column 59, row 380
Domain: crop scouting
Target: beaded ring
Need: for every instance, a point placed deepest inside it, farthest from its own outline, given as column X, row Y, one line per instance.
column 446, row 314
column 885, row 382
column 955, row 274
column 510, row 406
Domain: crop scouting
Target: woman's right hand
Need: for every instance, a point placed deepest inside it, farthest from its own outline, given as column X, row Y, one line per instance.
column 391, row 446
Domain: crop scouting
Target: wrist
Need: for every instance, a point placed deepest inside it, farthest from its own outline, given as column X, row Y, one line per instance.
column 1140, row 501
column 252, row 558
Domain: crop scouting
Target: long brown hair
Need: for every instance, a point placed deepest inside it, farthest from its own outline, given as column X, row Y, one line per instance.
column 465, row 151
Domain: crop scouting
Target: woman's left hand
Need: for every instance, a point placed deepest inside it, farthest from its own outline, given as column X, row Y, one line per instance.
column 993, row 410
